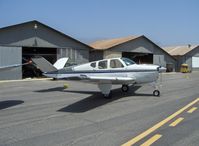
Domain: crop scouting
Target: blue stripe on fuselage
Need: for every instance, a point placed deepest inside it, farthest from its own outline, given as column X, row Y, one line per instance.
column 62, row 71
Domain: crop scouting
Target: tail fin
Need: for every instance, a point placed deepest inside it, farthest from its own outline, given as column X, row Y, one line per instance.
column 60, row 63
column 43, row 64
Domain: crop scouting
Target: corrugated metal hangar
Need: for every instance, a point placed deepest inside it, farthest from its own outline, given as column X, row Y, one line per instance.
column 18, row 43
column 140, row 49
column 188, row 54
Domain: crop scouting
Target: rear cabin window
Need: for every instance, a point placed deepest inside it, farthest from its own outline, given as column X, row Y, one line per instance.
column 93, row 64
column 115, row 63
column 102, row 65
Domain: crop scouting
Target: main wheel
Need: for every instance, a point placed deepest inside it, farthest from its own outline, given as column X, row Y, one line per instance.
column 108, row 96
column 125, row 88
column 156, row 93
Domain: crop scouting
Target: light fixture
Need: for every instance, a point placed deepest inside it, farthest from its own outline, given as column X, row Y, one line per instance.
column 35, row 26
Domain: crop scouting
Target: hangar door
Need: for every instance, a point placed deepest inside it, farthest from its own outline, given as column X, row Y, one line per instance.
column 49, row 54
column 195, row 62
column 139, row 58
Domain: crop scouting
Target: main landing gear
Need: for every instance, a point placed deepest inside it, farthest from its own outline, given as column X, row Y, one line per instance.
column 125, row 88
column 105, row 89
column 108, row 96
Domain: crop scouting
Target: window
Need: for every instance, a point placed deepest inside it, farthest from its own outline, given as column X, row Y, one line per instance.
column 128, row 61
column 102, row 65
column 93, row 64
column 115, row 63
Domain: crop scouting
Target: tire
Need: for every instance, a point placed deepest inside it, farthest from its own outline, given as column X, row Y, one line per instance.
column 125, row 88
column 108, row 96
column 156, row 93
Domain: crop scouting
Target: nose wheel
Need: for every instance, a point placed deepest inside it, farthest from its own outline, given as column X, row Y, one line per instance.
column 125, row 88
column 156, row 93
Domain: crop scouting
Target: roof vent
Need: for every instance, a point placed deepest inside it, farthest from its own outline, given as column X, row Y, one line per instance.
column 189, row 45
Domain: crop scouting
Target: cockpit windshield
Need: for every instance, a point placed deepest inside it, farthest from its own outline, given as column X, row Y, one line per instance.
column 127, row 61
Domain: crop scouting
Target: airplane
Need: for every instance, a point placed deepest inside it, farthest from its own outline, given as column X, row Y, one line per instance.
column 105, row 73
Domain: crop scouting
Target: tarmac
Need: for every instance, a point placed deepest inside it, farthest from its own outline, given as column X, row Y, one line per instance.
column 44, row 113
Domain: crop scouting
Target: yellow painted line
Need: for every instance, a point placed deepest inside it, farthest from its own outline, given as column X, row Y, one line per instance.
column 158, row 125
column 152, row 140
column 192, row 110
column 176, row 122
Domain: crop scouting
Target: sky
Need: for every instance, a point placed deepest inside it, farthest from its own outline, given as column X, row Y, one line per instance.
column 165, row 22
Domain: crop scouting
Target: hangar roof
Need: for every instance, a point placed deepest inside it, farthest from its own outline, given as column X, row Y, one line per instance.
column 109, row 43
column 179, row 50
column 106, row 44
column 35, row 22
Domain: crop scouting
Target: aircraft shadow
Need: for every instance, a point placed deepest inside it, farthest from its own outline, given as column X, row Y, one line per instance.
column 51, row 89
column 9, row 103
column 97, row 100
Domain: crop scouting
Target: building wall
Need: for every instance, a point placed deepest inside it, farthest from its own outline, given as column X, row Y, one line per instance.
column 112, row 54
column 139, row 45
column 142, row 45
column 78, row 56
column 10, row 56
column 96, row 55
column 26, row 35
column 162, row 58
column 187, row 59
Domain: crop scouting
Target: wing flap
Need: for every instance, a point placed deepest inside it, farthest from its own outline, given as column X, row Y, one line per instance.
column 107, row 79
column 111, row 78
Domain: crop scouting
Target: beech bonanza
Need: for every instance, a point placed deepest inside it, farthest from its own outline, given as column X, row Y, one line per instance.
column 106, row 72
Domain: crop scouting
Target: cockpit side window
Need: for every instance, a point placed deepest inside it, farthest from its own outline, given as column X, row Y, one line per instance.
column 93, row 64
column 115, row 63
column 128, row 61
column 102, row 64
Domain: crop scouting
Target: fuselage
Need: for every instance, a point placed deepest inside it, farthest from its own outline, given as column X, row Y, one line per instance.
column 114, row 67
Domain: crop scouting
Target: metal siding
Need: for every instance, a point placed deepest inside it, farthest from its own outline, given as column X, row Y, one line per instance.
column 78, row 56
column 138, row 45
column 26, row 35
column 159, row 60
column 112, row 54
column 96, row 55
column 10, row 56
column 142, row 45
column 195, row 55
column 187, row 58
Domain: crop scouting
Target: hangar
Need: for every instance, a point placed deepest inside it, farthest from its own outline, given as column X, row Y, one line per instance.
column 139, row 48
column 187, row 54
column 18, row 43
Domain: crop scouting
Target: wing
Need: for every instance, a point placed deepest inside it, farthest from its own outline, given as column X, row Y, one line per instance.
column 107, row 79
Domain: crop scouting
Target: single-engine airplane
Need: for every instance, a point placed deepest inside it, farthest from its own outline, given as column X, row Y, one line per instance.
column 106, row 72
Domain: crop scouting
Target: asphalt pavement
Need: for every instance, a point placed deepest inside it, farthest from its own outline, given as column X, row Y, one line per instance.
column 43, row 113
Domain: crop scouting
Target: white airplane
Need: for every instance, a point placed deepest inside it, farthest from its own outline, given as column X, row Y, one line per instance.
column 106, row 72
